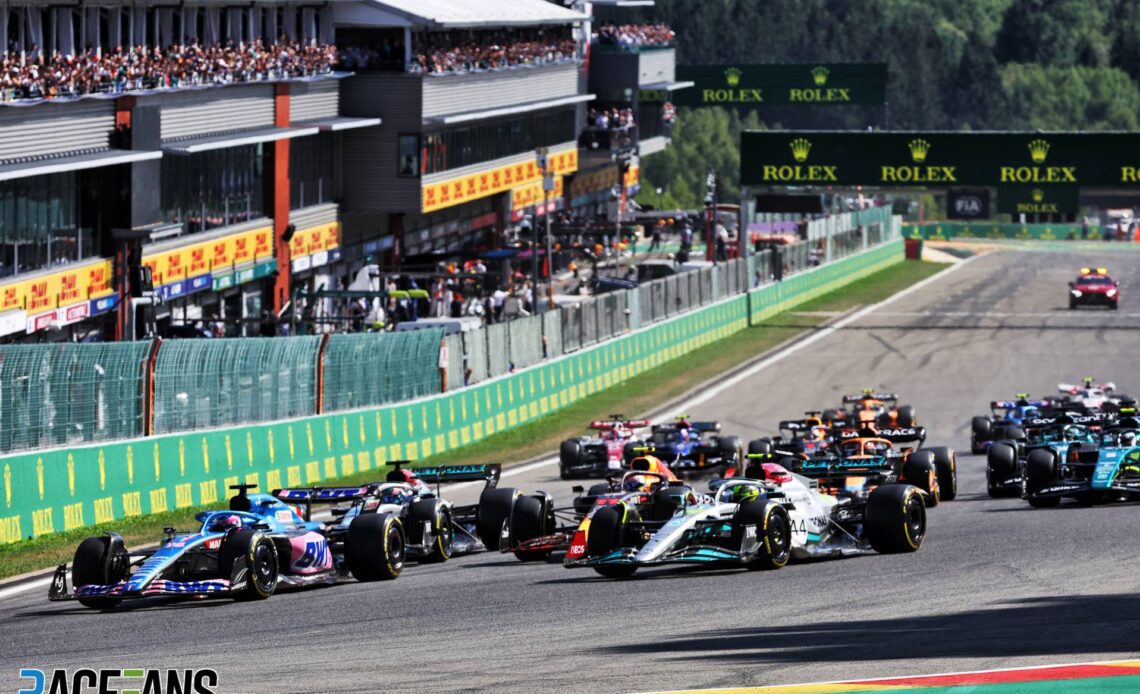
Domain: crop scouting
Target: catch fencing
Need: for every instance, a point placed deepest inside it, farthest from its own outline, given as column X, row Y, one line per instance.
column 62, row 394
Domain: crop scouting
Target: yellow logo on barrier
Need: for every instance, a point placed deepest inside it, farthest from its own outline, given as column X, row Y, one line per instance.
column 181, row 457
column 249, row 446
column 272, row 453
column 157, row 468
column 102, row 471
column 732, row 76
column 8, row 485
column 1038, row 150
column 229, row 453
column 205, row 455
column 918, row 150
column 40, row 475
column 130, row 464
column 801, row 147
column 819, row 75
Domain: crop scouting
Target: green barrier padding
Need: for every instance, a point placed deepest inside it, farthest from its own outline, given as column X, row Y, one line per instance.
column 946, row 231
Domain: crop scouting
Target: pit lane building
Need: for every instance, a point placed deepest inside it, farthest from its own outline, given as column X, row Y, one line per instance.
column 234, row 194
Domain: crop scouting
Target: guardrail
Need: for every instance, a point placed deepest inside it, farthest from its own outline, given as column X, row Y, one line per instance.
column 64, row 488
column 946, row 231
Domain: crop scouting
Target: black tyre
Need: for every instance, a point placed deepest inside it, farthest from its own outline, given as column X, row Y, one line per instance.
column 435, row 513
column 920, row 471
column 569, row 455
column 1041, row 472
column 730, row 449
column 248, row 555
column 608, row 533
column 1114, row 306
column 906, row 416
column 981, row 429
column 493, row 510
column 628, row 452
column 946, row 467
column 790, row 463
column 760, row 447
column 666, row 500
column 1001, row 466
column 526, row 524
column 1072, row 304
column 99, row 561
column 883, row 421
column 894, row 519
column 773, row 530
column 375, row 548
column 829, row 416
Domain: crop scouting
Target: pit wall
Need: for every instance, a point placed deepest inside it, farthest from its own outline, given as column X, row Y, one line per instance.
column 52, row 491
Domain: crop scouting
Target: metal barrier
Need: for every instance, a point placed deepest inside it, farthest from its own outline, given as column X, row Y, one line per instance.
column 372, row 369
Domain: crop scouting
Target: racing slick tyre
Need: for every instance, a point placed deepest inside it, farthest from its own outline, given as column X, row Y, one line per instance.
column 569, row 455
column 434, row 514
column 375, row 548
column 629, row 452
column 666, row 500
column 894, row 519
column 250, row 556
column 1001, row 465
column 527, row 524
column 981, row 429
column 730, row 450
column 1072, row 304
column 790, row 463
column 1041, row 472
column 946, row 467
column 920, row 471
column 608, row 533
column 494, row 509
column 773, row 531
column 100, row 561
column 906, row 416
column 1114, row 305
column 760, row 447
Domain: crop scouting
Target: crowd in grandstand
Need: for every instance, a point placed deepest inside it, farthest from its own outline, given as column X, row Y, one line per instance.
column 30, row 75
column 441, row 53
column 611, row 119
column 634, row 35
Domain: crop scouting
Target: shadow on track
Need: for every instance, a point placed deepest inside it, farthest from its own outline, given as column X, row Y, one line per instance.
column 1043, row 626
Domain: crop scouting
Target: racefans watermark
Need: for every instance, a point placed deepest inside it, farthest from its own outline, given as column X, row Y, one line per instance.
column 126, row 681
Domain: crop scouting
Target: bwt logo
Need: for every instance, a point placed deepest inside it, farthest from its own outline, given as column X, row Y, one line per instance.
column 88, row 681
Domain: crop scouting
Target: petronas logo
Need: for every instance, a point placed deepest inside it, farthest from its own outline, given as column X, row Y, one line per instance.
column 732, row 76
column 1038, row 150
column 800, row 149
column 819, row 75
column 1038, row 195
column 918, row 150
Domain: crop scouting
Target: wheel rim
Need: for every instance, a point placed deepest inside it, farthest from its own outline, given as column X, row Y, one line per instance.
column 264, row 568
column 395, row 548
column 446, row 534
column 779, row 539
column 914, row 519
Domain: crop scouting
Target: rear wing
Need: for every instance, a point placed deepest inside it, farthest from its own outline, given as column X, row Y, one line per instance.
column 902, row 434
column 1094, row 419
column 306, row 498
column 1072, row 389
column 869, row 395
column 1010, row 404
column 616, row 421
column 826, row 467
column 793, row 425
column 446, row 474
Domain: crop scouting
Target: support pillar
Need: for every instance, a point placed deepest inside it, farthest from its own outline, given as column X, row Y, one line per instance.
column 280, row 198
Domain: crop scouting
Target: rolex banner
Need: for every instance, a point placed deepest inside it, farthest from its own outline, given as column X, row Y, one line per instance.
column 1017, row 200
column 939, row 159
column 781, row 85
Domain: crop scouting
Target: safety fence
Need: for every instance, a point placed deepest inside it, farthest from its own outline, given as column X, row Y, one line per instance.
column 65, row 488
column 945, row 231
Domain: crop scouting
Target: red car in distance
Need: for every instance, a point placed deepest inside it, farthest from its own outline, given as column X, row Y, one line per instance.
column 1094, row 287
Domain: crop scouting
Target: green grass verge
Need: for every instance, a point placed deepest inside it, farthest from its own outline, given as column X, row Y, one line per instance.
column 637, row 395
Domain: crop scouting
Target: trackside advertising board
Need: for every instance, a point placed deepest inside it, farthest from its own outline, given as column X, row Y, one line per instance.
column 814, row 84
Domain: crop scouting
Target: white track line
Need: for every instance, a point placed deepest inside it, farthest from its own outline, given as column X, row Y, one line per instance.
column 681, row 408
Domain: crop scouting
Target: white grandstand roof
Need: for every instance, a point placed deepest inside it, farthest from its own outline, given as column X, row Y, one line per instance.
column 460, row 14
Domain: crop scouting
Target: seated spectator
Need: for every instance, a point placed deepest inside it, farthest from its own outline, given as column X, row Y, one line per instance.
column 34, row 76
column 451, row 52
column 634, row 35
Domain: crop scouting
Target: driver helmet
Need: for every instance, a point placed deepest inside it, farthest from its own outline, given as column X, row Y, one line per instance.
column 819, row 433
column 1128, row 438
column 744, row 493
column 392, row 495
column 224, row 523
column 683, row 433
column 870, row 448
column 635, row 483
column 1031, row 412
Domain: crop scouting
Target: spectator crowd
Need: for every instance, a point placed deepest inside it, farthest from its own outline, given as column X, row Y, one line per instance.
column 32, row 76
column 634, row 35
column 611, row 118
column 440, row 53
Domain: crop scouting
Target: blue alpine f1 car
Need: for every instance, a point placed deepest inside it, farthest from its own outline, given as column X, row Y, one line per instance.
column 1004, row 414
column 243, row 552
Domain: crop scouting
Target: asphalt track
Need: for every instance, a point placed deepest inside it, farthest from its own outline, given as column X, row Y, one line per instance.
column 995, row 585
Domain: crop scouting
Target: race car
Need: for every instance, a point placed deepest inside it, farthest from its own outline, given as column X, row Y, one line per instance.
column 693, row 447
column 244, row 552
column 985, row 429
column 802, row 437
column 1104, row 470
column 871, row 409
column 1093, row 287
column 1005, row 459
column 533, row 528
column 1090, row 396
column 436, row 529
column 612, row 450
column 758, row 522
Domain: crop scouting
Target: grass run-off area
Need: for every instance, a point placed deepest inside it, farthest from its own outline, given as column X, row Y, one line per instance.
column 637, row 395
